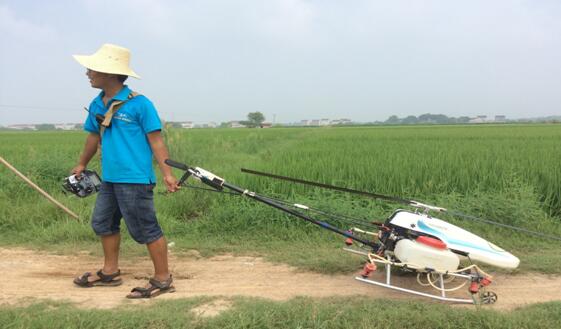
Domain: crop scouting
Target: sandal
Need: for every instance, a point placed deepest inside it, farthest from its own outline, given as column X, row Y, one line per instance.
column 107, row 280
column 156, row 288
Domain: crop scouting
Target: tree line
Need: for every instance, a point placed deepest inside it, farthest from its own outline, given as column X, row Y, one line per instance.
column 426, row 118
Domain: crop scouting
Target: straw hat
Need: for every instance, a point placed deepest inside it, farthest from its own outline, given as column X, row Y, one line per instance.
column 108, row 59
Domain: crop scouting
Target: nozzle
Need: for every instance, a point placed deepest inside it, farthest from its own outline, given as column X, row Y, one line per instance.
column 474, row 287
column 367, row 269
column 485, row 281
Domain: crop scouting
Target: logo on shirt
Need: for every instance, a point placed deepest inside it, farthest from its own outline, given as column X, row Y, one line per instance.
column 122, row 117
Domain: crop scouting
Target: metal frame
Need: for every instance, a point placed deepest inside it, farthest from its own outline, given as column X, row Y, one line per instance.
column 414, row 292
column 389, row 285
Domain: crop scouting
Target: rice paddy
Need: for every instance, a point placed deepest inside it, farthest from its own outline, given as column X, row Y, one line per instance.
column 507, row 173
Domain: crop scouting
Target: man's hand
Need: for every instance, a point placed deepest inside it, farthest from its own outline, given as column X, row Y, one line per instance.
column 78, row 170
column 171, row 183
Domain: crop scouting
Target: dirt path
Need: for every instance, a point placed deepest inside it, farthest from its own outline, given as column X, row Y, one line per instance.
column 27, row 275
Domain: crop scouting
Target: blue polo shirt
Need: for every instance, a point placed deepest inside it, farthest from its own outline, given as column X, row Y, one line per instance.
column 126, row 152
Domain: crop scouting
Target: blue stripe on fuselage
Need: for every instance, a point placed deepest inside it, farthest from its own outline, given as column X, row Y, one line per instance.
column 422, row 225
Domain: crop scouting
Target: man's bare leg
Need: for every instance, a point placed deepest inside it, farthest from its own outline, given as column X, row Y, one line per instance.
column 159, row 253
column 111, row 245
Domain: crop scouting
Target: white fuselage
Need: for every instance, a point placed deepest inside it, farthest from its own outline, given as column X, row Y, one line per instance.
column 477, row 248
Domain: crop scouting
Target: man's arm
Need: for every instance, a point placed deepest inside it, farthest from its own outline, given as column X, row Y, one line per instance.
column 90, row 148
column 161, row 154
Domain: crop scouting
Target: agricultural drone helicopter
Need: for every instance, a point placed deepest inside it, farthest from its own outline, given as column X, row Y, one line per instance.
column 412, row 242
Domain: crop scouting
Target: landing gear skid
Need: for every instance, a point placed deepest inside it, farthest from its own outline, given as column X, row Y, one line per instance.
column 437, row 281
column 387, row 284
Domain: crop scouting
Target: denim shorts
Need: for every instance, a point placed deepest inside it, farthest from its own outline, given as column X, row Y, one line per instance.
column 134, row 203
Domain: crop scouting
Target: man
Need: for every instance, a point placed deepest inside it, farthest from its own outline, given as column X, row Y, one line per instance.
column 128, row 128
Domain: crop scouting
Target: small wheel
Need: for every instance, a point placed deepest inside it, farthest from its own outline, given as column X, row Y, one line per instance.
column 488, row 297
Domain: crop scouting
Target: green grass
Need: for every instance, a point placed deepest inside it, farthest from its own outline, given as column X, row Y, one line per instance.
column 296, row 313
column 508, row 173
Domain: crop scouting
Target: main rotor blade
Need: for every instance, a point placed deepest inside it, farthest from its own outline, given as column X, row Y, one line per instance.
column 399, row 200
column 515, row 228
column 327, row 186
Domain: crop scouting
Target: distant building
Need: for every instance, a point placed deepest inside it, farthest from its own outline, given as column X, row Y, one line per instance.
column 206, row 125
column 187, row 124
column 235, row 124
column 65, row 126
column 313, row 123
column 478, row 119
column 304, row 122
column 500, row 118
column 340, row 122
column 266, row 125
column 22, row 127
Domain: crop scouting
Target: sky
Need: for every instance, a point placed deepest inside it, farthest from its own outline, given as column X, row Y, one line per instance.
column 218, row 60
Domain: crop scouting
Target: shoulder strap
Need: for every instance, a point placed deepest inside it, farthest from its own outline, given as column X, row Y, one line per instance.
column 115, row 106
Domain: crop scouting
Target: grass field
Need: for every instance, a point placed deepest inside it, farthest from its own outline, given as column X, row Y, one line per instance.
column 360, row 313
column 506, row 173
